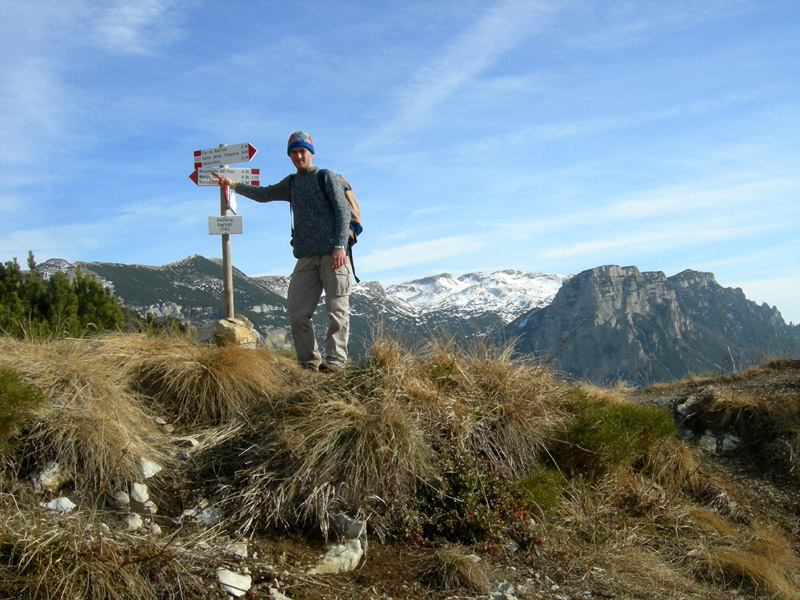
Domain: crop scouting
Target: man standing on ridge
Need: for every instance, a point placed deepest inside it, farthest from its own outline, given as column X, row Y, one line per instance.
column 320, row 229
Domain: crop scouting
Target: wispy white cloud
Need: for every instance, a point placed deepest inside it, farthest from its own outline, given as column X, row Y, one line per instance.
column 496, row 32
column 653, row 239
column 135, row 26
column 422, row 252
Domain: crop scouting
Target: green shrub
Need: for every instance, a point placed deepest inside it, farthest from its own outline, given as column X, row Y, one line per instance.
column 543, row 486
column 475, row 504
column 602, row 435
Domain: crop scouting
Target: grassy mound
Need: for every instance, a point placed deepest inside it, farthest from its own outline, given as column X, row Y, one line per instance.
column 466, row 459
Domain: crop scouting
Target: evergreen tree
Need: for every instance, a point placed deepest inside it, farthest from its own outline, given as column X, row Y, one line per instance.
column 59, row 306
column 35, row 301
column 96, row 306
column 10, row 302
column 62, row 306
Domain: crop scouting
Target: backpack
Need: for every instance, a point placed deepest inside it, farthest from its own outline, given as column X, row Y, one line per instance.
column 355, row 214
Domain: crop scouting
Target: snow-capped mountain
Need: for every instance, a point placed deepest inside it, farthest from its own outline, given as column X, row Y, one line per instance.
column 602, row 324
column 508, row 294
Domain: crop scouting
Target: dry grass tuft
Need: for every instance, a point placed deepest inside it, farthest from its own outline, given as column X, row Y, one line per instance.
column 492, row 406
column 364, row 440
column 51, row 555
column 453, row 568
column 672, row 465
column 90, row 421
column 200, row 384
column 340, row 454
column 759, row 556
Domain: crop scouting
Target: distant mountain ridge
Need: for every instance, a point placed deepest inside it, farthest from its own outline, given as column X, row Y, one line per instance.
column 617, row 323
column 605, row 323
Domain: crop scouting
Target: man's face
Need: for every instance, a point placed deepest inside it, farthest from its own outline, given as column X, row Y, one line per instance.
column 301, row 158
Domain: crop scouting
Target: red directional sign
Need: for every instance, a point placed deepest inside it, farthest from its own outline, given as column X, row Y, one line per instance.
column 224, row 155
column 202, row 176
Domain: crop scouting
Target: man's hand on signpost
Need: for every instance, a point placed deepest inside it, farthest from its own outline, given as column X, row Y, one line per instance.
column 221, row 181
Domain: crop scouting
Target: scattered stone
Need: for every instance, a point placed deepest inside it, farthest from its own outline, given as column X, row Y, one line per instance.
column 122, row 498
column 730, row 443
column 62, row 504
column 155, row 529
column 149, row 468
column 348, row 527
column 134, row 522
column 505, row 591
column 708, row 443
column 339, row 558
column 139, row 493
column 236, row 331
column 150, row 507
column 238, row 549
column 688, row 406
column 232, row 583
column 473, row 558
column 276, row 595
column 51, row 478
column 187, row 441
column 202, row 512
column 209, row 516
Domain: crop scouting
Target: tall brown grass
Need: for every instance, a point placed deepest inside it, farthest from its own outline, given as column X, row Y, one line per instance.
column 90, row 421
column 756, row 555
column 443, row 446
column 199, row 384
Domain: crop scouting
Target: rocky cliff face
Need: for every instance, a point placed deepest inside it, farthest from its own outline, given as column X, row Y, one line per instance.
column 616, row 322
column 603, row 324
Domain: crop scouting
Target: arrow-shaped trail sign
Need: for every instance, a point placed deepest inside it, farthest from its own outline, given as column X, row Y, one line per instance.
column 224, row 155
column 202, row 176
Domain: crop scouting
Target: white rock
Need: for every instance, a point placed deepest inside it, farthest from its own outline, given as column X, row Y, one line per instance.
column 139, row 493
column 237, row 331
column 150, row 507
column 62, row 504
column 149, row 468
column 339, row 558
column 52, row 477
column 473, row 558
column 709, row 442
column 122, row 498
column 348, row 527
column 155, row 529
column 209, row 516
column 233, row 583
column 187, row 441
column 730, row 442
column 134, row 521
column 239, row 549
column 276, row 595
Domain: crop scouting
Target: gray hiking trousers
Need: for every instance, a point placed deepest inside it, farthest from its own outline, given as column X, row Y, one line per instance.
column 311, row 276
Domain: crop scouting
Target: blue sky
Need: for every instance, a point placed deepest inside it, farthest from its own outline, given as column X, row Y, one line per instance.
column 544, row 136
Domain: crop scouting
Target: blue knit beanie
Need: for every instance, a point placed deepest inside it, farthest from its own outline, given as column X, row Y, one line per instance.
column 300, row 138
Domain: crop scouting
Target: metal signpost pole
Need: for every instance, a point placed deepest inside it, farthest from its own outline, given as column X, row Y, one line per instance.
column 211, row 160
column 227, row 268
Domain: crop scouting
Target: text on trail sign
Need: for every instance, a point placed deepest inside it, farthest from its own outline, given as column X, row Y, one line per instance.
column 202, row 176
column 224, row 155
column 230, row 225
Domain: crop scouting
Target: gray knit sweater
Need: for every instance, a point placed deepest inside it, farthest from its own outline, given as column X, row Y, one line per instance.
column 319, row 224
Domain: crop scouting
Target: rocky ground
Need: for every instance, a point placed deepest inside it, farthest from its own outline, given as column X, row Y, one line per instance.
column 756, row 490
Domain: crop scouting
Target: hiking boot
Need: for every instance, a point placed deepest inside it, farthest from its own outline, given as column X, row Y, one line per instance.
column 330, row 367
column 309, row 366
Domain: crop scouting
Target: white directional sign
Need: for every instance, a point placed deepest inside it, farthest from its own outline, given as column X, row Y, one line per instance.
column 225, row 225
column 202, row 176
column 224, row 155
